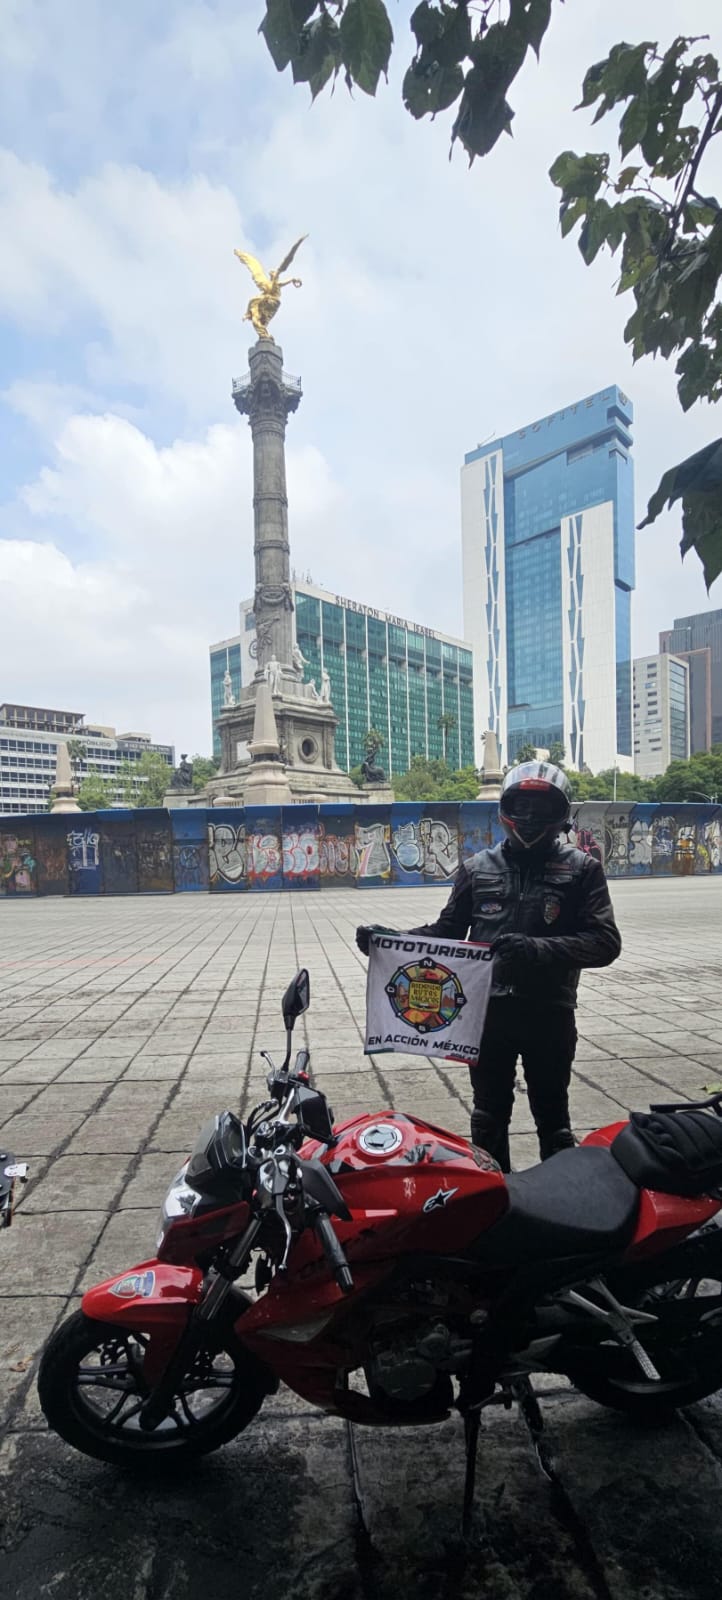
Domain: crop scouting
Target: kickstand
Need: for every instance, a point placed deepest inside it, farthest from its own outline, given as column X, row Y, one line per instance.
column 529, row 1407
column 472, row 1423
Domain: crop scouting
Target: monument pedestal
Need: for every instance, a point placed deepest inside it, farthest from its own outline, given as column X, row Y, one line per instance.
column 380, row 794
column 177, row 799
column 306, row 729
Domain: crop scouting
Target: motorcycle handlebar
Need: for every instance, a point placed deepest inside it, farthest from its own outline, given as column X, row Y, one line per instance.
column 334, row 1251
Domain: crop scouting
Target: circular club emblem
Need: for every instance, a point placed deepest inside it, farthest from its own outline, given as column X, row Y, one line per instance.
column 426, row 995
column 382, row 1139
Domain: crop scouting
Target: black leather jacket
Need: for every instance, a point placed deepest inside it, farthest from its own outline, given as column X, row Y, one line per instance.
column 559, row 901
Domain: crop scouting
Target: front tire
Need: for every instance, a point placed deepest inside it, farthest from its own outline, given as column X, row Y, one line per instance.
column 685, row 1346
column 91, row 1388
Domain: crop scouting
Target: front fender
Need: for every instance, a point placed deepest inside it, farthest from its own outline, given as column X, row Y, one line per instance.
column 155, row 1294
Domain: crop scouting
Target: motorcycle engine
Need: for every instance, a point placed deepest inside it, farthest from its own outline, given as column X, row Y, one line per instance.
column 406, row 1366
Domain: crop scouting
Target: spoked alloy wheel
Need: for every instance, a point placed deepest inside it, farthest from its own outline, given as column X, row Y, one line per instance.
column 92, row 1387
column 685, row 1345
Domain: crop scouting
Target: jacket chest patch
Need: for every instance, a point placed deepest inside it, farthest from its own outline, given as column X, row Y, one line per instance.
column 552, row 907
column 490, row 908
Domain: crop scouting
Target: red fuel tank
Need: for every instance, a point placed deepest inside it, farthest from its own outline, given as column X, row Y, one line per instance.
column 410, row 1186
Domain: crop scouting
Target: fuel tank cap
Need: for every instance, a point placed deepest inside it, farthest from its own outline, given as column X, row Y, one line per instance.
column 380, row 1139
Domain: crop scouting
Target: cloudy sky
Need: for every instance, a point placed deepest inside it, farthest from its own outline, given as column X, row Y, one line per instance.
column 139, row 143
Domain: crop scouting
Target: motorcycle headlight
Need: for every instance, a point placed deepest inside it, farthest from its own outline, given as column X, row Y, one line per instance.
column 180, row 1201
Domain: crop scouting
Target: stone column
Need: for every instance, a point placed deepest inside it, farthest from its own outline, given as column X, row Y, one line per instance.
column 266, row 396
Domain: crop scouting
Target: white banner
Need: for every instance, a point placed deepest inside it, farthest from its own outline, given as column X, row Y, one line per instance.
column 426, row 997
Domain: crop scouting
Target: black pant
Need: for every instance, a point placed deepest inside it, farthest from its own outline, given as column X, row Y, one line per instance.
column 545, row 1037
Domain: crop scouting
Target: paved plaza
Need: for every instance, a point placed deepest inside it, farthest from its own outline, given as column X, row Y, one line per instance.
column 123, row 1024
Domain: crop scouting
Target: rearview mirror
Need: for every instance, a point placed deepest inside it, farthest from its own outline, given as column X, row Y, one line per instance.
column 297, row 998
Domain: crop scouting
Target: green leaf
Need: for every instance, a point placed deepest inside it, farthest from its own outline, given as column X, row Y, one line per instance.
column 626, row 178
column 697, row 482
column 426, row 91
column 570, row 214
column 482, row 118
column 633, row 125
column 537, row 21
column 579, row 175
column 426, row 23
column 592, row 85
column 453, row 44
column 702, row 532
column 366, row 40
column 281, row 32
column 319, row 56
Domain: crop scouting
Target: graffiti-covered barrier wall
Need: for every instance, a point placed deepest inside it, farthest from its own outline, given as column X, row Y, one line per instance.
column 307, row 847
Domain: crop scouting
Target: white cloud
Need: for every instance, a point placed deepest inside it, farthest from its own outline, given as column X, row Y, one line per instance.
column 124, row 633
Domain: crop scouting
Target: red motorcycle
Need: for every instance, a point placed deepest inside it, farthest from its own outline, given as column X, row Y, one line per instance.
column 398, row 1274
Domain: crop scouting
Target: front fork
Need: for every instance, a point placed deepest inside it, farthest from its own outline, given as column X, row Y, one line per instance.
column 158, row 1402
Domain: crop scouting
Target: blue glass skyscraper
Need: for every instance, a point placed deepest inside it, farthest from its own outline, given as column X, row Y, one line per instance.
column 548, row 546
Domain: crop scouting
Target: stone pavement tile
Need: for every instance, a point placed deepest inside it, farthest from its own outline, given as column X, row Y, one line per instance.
column 91, row 1069
column 12, row 1051
column 129, row 1238
column 60, row 1050
column 13, row 1097
column 272, row 1513
column 631, row 1045
column 42, row 1255
column 682, row 1075
column 629, row 1088
column 155, row 1173
column 26, row 1032
column 31, row 1133
column 54, row 1098
column 413, row 1516
column 114, row 1132
column 170, row 1062
column 524, row 1151
column 642, row 1497
column 163, row 1068
column 76, row 1183
column 212, row 1069
column 587, row 1051
column 26, row 1321
column 31, row 1071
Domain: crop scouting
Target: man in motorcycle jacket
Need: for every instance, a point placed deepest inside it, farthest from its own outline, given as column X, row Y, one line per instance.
column 545, row 909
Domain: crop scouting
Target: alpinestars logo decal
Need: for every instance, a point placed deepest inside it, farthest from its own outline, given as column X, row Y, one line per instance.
column 436, row 1202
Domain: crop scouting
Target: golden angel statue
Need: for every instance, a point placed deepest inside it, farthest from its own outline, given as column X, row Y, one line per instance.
column 263, row 306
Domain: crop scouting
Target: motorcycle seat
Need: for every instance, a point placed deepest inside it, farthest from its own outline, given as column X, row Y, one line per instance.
column 578, row 1203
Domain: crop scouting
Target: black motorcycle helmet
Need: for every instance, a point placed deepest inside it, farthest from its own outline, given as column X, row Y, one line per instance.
column 535, row 804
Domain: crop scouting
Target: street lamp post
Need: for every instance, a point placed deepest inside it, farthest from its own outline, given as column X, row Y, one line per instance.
column 711, row 799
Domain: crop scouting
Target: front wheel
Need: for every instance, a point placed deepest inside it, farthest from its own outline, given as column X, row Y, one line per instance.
column 91, row 1389
column 685, row 1345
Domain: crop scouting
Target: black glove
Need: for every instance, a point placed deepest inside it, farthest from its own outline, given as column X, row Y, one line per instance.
column 515, row 947
column 363, row 935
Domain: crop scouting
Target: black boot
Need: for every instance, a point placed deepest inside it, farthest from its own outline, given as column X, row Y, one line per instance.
column 551, row 1143
column 493, row 1136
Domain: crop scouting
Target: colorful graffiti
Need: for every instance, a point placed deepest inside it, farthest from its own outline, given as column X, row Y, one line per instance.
column 709, row 845
column 84, row 849
column 426, row 846
column 300, row 853
column 371, row 851
column 307, row 847
column 335, row 854
column 17, row 865
column 226, row 853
